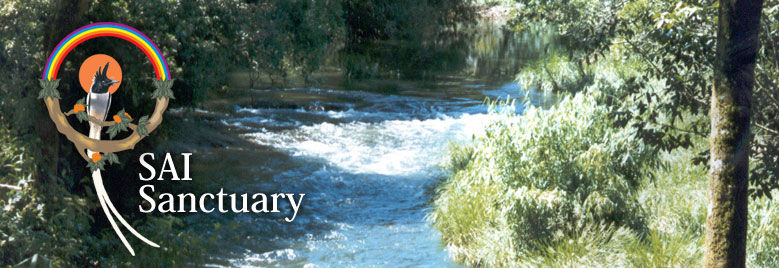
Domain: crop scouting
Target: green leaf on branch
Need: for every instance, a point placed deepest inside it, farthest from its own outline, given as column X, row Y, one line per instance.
column 96, row 165
column 121, row 125
column 49, row 89
column 124, row 116
column 111, row 158
column 82, row 115
column 163, row 89
column 142, row 123
column 113, row 130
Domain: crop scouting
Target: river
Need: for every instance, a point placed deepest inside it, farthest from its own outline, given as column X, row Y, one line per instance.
column 368, row 162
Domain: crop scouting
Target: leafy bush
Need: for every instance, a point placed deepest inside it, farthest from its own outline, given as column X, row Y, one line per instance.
column 488, row 218
column 555, row 73
column 674, row 43
column 38, row 221
column 540, row 179
column 46, row 224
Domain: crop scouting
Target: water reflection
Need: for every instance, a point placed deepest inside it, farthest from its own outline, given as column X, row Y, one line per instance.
column 486, row 49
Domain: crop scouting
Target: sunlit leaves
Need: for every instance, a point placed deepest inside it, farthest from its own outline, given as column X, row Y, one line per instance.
column 34, row 211
column 674, row 43
column 540, row 177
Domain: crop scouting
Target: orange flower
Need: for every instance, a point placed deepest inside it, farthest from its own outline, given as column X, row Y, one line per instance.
column 96, row 157
column 128, row 115
column 117, row 119
column 78, row 108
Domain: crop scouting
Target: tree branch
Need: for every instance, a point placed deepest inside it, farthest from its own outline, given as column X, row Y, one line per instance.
column 767, row 129
column 83, row 142
column 99, row 122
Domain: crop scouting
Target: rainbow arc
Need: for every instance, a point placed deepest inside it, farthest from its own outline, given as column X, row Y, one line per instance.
column 101, row 29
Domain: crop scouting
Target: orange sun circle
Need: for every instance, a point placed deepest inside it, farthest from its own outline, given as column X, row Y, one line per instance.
column 90, row 67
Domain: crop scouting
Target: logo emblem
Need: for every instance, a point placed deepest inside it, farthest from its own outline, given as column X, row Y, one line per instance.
column 100, row 76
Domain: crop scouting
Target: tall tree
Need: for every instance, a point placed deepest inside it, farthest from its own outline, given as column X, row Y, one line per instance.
column 737, row 46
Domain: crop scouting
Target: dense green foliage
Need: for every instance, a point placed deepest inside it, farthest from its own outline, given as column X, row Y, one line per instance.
column 38, row 218
column 673, row 45
column 645, row 68
column 541, row 178
column 511, row 202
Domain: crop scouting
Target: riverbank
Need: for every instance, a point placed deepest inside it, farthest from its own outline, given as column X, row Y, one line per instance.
column 551, row 188
column 615, row 175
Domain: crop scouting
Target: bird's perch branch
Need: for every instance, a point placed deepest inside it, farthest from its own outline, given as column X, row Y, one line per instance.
column 98, row 122
column 83, row 142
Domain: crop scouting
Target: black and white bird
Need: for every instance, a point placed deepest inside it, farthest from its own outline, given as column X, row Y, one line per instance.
column 98, row 103
column 99, row 99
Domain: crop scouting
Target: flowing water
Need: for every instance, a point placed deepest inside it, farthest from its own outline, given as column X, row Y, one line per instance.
column 370, row 179
column 367, row 162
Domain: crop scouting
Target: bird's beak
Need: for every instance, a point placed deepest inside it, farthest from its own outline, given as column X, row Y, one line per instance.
column 114, row 82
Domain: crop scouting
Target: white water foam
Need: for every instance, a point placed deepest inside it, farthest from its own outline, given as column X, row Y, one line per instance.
column 368, row 172
column 392, row 147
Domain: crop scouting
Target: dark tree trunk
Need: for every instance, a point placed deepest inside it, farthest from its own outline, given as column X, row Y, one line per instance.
column 66, row 15
column 737, row 45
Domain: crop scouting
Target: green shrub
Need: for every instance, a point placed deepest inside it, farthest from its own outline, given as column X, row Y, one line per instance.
column 555, row 73
column 39, row 221
column 44, row 223
column 540, row 179
column 487, row 219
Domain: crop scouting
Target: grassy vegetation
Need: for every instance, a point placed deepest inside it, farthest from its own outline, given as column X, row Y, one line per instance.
column 612, row 175
column 560, row 188
column 539, row 181
column 52, row 233
column 567, row 187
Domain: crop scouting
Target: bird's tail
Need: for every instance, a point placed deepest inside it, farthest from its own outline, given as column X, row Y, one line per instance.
column 110, row 212
column 105, row 201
